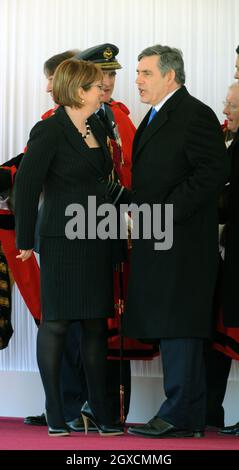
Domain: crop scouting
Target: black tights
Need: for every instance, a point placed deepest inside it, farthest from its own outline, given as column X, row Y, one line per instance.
column 50, row 347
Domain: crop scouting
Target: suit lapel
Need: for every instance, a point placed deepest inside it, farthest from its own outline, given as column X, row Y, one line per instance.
column 145, row 132
column 75, row 139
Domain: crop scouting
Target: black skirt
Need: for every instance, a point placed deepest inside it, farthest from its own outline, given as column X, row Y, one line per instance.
column 76, row 279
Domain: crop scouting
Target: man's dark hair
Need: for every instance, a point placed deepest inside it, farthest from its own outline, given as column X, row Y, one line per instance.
column 52, row 63
column 170, row 58
column 237, row 50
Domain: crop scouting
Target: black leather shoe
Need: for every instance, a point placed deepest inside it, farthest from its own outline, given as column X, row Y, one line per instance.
column 103, row 429
column 159, row 428
column 36, row 420
column 230, row 430
column 77, row 425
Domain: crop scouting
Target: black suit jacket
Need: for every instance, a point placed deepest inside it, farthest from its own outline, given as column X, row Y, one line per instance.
column 57, row 161
column 180, row 159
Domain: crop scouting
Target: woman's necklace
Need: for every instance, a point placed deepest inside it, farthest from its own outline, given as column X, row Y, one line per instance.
column 88, row 130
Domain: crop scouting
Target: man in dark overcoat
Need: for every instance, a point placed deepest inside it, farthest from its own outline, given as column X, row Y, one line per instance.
column 179, row 158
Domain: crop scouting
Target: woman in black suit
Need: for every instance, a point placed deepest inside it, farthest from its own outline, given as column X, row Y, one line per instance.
column 68, row 159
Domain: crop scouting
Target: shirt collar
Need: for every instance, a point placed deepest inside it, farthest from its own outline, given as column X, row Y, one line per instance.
column 166, row 98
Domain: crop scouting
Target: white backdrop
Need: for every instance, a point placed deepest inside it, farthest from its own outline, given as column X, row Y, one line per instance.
column 33, row 30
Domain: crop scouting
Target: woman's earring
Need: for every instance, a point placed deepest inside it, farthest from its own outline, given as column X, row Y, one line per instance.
column 82, row 101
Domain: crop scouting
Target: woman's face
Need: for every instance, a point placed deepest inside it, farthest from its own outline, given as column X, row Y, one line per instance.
column 92, row 98
column 49, row 85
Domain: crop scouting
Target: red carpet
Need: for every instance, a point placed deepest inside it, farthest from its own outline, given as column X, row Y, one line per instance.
column 14, row 435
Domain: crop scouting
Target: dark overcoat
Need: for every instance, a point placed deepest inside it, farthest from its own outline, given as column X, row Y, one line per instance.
column 179, row 159
column 231, row 262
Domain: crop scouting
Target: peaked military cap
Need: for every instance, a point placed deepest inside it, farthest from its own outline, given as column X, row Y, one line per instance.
column 102, row 55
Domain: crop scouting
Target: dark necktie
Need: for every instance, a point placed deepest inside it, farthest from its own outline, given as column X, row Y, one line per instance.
column 152, row 114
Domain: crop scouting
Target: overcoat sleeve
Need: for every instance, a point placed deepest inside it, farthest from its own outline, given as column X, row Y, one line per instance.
column 206, row 153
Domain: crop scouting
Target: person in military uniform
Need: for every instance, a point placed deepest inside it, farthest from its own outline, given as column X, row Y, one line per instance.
column 113, row 114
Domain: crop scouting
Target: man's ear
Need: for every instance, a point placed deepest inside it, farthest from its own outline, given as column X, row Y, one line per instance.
column 171, row 76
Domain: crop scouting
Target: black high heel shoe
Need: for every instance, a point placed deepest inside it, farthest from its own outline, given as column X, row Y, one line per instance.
column 103, row 429
column 58, row 432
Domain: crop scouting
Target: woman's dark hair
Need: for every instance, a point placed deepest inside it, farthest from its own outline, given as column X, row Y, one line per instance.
column 52, row 63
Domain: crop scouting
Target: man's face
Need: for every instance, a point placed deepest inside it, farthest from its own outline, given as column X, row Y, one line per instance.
column 152, row 85
column 108, row 83
column 237, row 68
column 231, row 108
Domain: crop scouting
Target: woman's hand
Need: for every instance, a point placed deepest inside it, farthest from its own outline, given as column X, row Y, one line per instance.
column 24, row 254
